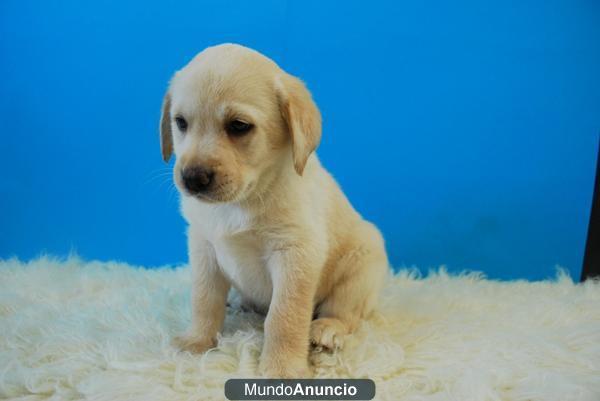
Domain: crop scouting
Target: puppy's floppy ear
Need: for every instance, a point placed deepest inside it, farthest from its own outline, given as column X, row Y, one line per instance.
column 166, row 137
column 302, row 117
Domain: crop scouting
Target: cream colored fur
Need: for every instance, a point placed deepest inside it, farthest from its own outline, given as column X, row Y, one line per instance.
column 276, row 226
column 101, row 331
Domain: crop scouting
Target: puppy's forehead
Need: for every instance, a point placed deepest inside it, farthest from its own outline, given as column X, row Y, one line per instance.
column 224, row 74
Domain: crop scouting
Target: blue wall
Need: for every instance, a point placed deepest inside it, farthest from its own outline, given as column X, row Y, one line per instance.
column 481, row 122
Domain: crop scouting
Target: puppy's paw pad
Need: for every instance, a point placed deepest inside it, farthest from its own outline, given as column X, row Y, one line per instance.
column 195, row 345
column 327, row 333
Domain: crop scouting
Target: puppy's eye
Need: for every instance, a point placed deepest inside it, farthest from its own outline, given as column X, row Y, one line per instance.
column 238, row 127
column 181, row 123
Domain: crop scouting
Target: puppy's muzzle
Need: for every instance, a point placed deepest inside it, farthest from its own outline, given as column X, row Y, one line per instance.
column 197, row 180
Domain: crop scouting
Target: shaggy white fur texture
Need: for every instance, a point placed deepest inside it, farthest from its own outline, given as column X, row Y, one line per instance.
column 101, row 331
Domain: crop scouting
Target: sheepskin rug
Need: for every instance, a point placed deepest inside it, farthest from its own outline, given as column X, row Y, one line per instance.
column 71, row 330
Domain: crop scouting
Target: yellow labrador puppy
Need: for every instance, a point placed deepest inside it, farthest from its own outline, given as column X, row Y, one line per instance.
column 264, row 216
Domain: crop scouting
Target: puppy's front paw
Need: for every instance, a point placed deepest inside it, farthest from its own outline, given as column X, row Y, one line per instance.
column 328, row 333
column 193, row 344
column 281, row 368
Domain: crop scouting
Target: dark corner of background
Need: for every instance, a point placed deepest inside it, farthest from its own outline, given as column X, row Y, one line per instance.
column 591, row 259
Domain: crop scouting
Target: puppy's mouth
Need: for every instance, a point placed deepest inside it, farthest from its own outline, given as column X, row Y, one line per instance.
column 210, row 197
column 216, row 195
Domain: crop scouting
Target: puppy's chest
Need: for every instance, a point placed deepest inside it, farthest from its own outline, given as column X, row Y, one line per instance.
column 242, row 259
column 239, row 250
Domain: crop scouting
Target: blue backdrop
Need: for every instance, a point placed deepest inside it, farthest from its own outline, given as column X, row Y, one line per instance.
column 482, row 122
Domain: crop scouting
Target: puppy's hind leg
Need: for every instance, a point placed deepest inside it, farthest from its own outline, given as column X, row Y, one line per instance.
column 352, row 298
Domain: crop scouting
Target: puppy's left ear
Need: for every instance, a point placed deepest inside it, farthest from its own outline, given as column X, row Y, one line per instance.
column 166, row 136
column 302, row 118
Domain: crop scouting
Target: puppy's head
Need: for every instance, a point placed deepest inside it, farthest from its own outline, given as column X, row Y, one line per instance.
column 235, row 120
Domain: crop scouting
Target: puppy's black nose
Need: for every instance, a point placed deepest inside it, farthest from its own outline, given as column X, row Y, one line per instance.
column 197, row 179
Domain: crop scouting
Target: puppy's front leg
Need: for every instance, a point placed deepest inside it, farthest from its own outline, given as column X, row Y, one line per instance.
column 209, row 297
column 285, row 349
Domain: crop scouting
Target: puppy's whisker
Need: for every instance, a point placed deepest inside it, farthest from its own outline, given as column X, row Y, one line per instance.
column 159, row 171
column 156, row 177
column 173, row 192
column 164, row 181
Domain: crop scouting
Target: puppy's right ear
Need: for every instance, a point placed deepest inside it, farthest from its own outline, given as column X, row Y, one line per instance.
column 166, row 136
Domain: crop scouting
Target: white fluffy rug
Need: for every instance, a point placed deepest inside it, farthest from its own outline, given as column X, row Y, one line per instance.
column 101, row 331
